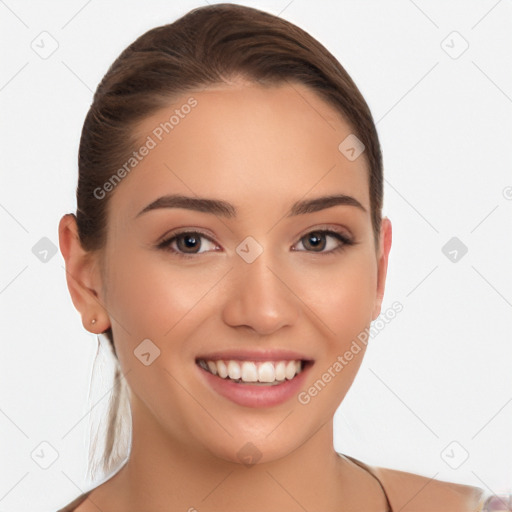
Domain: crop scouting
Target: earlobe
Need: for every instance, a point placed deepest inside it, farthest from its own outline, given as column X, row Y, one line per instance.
column 82, row 277
column 382, row 264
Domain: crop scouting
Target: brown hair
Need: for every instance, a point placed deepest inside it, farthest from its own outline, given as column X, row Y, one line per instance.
column 208, row 45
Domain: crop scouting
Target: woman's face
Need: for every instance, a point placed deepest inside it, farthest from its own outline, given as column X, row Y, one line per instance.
column 259, row 279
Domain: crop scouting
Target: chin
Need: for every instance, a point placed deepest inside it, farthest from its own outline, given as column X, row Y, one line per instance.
column 249, row 451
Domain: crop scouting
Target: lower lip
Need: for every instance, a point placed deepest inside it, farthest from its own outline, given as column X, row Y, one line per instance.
column 250, row 395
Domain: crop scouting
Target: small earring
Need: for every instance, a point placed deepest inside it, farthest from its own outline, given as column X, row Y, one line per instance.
column 93, row 321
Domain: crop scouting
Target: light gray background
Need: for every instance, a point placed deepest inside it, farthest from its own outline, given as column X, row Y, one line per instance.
column 436, row 382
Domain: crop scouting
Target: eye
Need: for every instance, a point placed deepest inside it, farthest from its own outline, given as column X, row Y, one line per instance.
column 186, row 242
column 317, row 240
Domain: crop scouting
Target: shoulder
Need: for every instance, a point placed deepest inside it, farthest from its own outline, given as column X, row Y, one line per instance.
column 70, row 507
column 411, row 492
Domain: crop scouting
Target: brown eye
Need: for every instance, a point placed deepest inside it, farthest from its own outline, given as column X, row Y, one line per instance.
column 190, row 242
column 317, row 241
column 186, row 243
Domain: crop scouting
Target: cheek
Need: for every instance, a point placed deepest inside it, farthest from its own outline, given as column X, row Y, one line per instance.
column 149, row 295
column 342, row 298
column 341, row 294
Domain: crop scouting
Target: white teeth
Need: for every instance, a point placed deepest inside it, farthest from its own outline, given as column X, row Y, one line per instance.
column 212, row 367
column 221, row 369
column 234, row 370
column 290, row 370
column 249, row 372
column 281, row 370
column 268, row 372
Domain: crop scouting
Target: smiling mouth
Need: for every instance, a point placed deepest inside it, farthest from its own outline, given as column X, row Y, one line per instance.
column 256, row 373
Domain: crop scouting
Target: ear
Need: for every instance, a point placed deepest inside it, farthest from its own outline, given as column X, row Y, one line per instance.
column 382, row 262
column 83, row 277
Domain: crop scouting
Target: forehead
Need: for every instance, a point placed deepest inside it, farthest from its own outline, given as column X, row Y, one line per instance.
column 246, row 144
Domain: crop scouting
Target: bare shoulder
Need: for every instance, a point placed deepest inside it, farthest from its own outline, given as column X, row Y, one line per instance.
column 91, row 501
column 88, row 502
column 411, row 492
column 108, row 495
column 75, row 505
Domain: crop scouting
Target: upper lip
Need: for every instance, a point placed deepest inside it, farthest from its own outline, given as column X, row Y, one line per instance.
column 253, row 355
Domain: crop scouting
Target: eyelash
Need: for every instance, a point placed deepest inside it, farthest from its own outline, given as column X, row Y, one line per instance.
column 166, row 243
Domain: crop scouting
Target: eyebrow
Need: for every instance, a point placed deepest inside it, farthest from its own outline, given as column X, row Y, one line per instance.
column 225, row 209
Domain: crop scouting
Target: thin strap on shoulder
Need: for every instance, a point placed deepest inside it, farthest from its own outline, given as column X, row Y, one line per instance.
column 429, row 494
column 368, row 470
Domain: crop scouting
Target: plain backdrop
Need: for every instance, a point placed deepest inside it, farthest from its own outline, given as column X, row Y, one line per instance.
column 434, row 393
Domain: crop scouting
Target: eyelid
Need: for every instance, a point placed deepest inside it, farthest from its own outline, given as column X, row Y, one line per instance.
column 165, row 240
column 327, row 227
column 206, row 233
column 187, row 229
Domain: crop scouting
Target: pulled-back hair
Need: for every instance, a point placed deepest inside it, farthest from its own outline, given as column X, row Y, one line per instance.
column 207, row 46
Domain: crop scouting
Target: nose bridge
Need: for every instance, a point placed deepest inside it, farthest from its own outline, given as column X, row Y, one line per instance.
column 259, row 296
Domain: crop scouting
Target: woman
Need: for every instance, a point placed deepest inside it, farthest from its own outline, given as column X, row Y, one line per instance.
column 229, row 242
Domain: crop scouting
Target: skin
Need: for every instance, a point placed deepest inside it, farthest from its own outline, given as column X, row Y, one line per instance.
column 250, row 146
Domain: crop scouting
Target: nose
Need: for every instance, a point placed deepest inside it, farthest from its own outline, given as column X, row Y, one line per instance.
column 260, row 297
